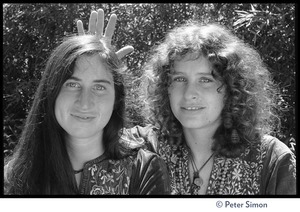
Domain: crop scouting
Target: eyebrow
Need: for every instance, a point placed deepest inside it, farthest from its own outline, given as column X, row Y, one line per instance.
column 200, row 73
column 97, row 80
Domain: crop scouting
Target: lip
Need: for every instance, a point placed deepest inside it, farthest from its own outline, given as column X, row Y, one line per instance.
column 82, row 117
column 192, row 108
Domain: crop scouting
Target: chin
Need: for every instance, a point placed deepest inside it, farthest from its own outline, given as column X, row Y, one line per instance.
column 81, row 132
column 191, row 125
column 189, row 122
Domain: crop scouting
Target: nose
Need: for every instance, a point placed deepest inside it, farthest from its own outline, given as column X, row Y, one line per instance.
column 190, row 91
column 85, row 100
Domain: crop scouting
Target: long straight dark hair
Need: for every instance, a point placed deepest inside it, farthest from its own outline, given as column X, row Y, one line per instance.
column 40, row 163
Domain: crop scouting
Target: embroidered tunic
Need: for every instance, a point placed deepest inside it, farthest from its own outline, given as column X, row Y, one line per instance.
column 268, row 168
column 142, row 173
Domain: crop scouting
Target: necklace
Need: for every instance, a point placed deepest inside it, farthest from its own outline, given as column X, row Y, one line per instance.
column 197, row 180
column 77, row 171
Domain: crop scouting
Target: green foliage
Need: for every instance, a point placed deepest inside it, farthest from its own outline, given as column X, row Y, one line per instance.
column 31, row 31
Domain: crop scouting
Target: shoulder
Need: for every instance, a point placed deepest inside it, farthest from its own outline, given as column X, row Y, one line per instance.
column 148, row 163
column 149, row 174
column 145, row 160
column 279, row 172
column 270, row 152
column 275, row 147
column 142, row 162
column 278, row 157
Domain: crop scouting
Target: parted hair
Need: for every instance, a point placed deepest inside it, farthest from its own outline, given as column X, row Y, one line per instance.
column 40, row 163
column 251, row 94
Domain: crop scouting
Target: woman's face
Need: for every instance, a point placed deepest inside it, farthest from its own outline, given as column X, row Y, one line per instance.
column 86, row 100
column 193, row 94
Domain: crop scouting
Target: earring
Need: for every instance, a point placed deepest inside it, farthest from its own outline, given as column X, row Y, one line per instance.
column 235, row 138
column 227, row 122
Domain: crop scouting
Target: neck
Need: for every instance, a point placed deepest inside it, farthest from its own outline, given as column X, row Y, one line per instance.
column 199, row 142
column 82, row 150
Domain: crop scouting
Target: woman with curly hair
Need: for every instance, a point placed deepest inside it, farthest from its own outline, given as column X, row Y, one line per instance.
column 71, row 141
column 213, row 103
column 210, row 109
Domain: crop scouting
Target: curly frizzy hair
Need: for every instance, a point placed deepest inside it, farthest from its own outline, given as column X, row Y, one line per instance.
column 251, row 94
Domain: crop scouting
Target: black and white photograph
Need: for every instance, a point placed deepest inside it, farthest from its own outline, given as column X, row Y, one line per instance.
column 150, row 101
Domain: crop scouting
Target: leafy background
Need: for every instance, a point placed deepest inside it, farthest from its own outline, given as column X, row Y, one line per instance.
column 31, row 31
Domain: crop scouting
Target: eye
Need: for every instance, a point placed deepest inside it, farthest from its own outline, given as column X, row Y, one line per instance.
column 72, row 85
column 179, row 79
column 205, row 80
column 99, row 87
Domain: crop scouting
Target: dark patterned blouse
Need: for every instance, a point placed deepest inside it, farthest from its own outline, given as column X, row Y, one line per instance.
column 141, row 173
column 269, row 168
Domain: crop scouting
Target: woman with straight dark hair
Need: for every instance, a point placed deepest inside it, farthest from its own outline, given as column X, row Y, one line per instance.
column 71, row 139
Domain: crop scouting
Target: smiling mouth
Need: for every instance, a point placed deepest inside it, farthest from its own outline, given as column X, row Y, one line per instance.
column 82, row 117
column 192, row 108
